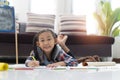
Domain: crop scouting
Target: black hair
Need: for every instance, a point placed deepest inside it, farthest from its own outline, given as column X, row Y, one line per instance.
column 36, row 38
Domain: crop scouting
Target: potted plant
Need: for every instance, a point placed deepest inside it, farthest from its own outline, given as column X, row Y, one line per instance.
column 107, row 18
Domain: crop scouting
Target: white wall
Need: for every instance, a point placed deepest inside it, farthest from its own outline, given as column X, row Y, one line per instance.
column 21, row 8
column 63, row 7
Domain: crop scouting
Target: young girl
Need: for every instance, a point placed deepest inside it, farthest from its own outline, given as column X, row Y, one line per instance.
column 47, row 52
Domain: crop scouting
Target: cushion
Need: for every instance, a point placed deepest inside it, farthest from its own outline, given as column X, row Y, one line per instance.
column 73, row 23
column 36, row 22
column 73, row 33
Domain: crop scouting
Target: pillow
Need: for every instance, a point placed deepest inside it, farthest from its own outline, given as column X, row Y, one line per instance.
column 73, row 33
column 36, row 27
column 36, row 22
column 73, row 23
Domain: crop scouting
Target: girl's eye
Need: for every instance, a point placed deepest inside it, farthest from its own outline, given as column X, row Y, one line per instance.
column 49, row 39
column 41, row 40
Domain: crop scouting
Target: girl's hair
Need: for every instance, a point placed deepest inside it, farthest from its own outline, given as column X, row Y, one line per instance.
column 46, row 30
column 36, row 38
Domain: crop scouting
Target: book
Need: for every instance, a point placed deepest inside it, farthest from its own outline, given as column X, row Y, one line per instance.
column 98, row 63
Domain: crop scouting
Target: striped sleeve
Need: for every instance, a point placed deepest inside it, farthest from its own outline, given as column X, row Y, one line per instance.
column 69, row 60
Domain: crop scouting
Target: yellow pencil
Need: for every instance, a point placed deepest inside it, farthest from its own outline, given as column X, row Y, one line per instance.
column 33, row 58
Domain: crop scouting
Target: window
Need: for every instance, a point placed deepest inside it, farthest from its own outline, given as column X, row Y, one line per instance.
column 85, row 7
column 10, row 2
column 115, row 3
column 43, row 6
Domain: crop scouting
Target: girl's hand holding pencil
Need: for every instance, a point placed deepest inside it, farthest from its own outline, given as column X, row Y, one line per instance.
column 33, row 58
column 33, row 63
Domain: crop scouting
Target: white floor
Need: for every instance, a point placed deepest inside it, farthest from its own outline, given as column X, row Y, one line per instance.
column 42, row 73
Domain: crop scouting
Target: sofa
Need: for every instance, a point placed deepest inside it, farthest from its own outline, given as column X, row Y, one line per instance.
column 80, row 45
column 89, row 45
column 8, row 46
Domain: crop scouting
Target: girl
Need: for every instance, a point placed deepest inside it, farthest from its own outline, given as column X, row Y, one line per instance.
column 48, row 53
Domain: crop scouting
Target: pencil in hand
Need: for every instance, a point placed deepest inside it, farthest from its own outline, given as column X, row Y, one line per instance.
column 33, row 58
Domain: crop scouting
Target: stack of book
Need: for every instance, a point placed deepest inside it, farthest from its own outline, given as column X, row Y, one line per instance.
column 73, row 24
column 36, row 22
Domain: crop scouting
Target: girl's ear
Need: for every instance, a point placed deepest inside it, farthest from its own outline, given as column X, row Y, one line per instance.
column 37, row 43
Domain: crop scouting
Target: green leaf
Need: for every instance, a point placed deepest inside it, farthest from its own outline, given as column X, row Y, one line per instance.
column 116, row 32
column 100, row 22
column 107, row 18
column 106, row 9
column 113, row 19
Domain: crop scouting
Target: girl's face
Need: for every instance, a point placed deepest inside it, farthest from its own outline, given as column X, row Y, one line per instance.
column 46, row 42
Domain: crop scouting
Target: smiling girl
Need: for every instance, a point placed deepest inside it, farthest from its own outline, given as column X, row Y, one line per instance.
column 47, row 51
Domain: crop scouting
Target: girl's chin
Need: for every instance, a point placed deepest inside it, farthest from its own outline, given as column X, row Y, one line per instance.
column 47, row 51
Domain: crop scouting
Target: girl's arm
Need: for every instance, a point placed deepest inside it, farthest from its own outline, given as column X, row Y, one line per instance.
column 61, row 40
column 69, row 60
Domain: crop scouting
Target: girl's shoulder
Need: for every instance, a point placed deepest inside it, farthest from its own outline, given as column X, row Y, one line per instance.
column 58, row 49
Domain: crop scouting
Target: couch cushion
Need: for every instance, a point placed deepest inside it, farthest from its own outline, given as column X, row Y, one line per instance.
column 36, row 22
column 73, row 24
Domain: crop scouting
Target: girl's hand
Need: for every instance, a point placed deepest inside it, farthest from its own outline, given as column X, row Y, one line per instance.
column 33, row 63
column 54, row 65
column 61, row 40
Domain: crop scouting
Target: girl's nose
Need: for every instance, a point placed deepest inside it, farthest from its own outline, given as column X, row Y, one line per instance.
column 46, row 42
